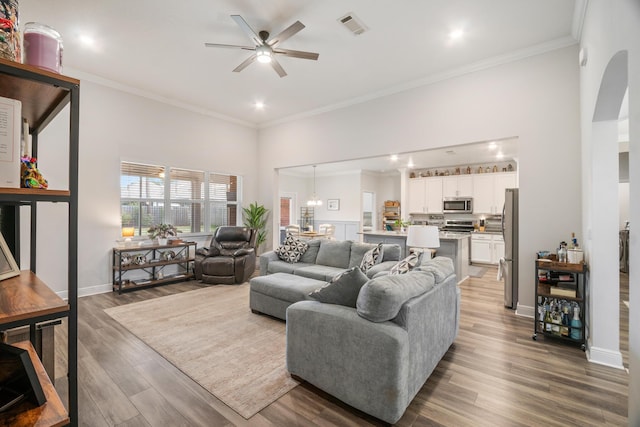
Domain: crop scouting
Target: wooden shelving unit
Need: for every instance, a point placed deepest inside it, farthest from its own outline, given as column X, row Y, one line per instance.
column 26, row 300
column 560, row 287
column 153, row 265
column 390, row 214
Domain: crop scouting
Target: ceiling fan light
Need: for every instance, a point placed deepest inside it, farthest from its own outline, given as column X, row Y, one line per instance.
column 263, row 54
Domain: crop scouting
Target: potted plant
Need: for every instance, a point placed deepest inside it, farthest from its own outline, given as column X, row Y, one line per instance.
column 255, row 216
column 402, row 224
column 161, row 232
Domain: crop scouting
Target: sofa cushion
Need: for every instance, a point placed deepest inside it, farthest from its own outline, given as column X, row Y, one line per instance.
column 390, row 252
column 343, row 289
column 292, row 249
column 318, row 272
column 358, row 250
column 280, row 266
column 311, row 254
column 381, row 298
column 334, row 253
column 284, row 287
column 407, row 264
column 441, row 267
column 371, row 257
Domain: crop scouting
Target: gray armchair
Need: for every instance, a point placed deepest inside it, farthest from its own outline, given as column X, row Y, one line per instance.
column 231, row 257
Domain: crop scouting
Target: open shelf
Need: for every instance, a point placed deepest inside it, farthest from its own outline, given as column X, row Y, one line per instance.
column 25, row 298
column 51, row 414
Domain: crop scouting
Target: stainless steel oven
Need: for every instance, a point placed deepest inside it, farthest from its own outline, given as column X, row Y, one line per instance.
column 457, row 205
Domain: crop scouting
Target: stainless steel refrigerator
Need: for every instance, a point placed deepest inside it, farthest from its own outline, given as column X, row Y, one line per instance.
column 510, row 234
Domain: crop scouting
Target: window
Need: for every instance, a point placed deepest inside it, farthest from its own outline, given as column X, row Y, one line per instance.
column 198, row 201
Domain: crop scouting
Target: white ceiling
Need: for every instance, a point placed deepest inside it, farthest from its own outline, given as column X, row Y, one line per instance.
column 156, row 47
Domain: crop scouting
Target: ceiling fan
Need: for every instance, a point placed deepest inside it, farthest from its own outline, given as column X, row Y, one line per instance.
column 266, row 49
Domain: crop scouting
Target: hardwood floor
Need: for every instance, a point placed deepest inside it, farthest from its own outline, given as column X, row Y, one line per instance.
column 493, row 375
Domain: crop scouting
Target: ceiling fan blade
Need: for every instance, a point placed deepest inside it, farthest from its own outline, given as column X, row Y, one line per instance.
column 245, row 63
column 247, row 29
column 286, row 33
column 231, row 46
column 276, row 66
column 298, row 54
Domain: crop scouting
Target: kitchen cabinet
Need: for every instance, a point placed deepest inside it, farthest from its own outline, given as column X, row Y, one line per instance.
column 488, row 191
column 486, row 248
column 457, row 186
column 425, row 195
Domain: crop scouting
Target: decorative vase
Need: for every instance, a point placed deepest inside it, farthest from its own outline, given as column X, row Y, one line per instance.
column 162, row 241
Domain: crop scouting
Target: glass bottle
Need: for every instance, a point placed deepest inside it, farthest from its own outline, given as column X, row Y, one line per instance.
column 576, row 324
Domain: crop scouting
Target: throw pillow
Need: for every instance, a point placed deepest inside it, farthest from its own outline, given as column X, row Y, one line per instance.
column 343, row 289
column 407, row 264
column 371, row 258
column 292, row 249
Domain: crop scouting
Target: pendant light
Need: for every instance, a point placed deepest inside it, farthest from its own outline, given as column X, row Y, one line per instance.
column 314, row 201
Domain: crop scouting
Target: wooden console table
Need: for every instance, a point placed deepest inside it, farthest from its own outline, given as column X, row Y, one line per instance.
column 152, row 260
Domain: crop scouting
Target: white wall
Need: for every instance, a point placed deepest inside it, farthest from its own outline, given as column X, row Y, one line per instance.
column 623, row 204
column 535, row 99
column 117, row 126
column 611, row 27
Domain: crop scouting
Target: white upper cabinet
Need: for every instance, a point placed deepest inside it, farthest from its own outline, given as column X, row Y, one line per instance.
column 457, row 186
column 425, row 195
column 488, row 191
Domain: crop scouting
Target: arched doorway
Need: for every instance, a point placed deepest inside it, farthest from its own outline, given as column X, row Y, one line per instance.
column 602, row 225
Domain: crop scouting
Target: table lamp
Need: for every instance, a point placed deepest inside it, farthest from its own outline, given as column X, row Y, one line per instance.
column 423, row 237
column 128, row 233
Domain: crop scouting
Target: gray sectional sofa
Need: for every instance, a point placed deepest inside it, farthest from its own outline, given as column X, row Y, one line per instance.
column 282, row 283
column 376, row 356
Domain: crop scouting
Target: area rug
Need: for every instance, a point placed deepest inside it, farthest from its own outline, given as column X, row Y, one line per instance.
column 475, row 271
column 211, row 335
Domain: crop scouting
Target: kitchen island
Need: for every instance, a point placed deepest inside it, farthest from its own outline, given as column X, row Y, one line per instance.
column 452, row 245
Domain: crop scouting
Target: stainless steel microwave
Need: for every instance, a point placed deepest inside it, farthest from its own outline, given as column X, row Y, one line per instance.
column 457, row 205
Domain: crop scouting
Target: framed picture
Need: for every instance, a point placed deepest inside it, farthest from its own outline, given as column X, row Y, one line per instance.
column 8, row 266
column 333, row 204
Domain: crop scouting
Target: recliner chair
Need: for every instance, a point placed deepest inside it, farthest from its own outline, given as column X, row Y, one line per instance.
column 231, row 257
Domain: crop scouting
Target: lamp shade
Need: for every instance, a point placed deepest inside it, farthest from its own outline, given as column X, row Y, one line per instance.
column 423, row 236
column 128, row 231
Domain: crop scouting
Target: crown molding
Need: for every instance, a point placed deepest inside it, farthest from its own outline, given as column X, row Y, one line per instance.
column 82, row 75
column 495, row 61
column 579, row 14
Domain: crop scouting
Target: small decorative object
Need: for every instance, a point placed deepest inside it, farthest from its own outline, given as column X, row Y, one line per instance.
column 31, row 176
column 488, row 169
column 480, row 170
column 468, row 170
column 10, row 33
column 333, row 204
column 446, row 172
column 457, row 171
column 42, row 47
column 403, row 224
column 510, row 167
column 428, row 174
column 8, row 266
column 504, row 169
column 168, row 255
column 162, row 231
column 160, row 275
column 436, row 173
column 125, row 260
column 128, row 233
column 412, row 174
column 139, row 259
column 495, row 168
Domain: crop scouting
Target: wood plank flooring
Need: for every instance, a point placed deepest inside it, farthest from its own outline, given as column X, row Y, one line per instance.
column 493, row 375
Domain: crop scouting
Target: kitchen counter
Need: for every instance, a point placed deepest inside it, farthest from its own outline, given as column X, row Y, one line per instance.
column 452, row 245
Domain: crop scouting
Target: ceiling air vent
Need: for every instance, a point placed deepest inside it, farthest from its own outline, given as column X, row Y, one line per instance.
column 353, row 24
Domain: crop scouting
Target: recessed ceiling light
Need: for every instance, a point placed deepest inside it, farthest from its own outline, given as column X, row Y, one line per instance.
column 394, row 157
column 259, row 105
column 410, row 164
column 493, row 146
column 456, row 34
column 499, row 155
column 87, row 40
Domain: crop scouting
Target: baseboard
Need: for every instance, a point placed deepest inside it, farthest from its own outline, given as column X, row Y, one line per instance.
column 85, row 292
column 605, row 357
column 525, row 311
